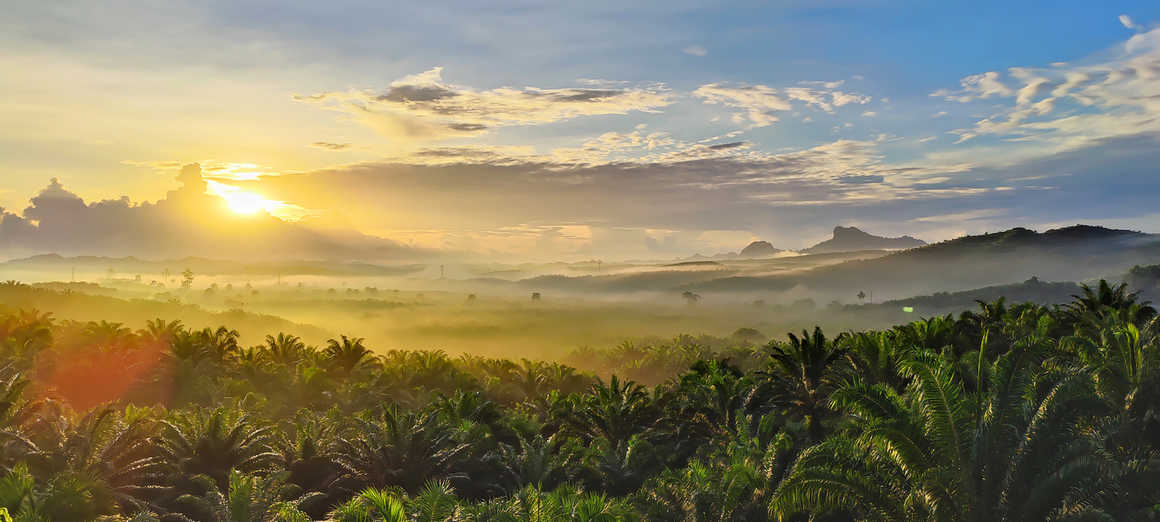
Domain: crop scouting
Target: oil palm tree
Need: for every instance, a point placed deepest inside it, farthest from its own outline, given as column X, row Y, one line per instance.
column 284, row 350
column 306, row 449
column 371, row 505
column 249, row 498
column 801, row 376
column 395, row 448
column 1010, row 452
column 346, row 355
column 106, row 445
column 545, row 462
column 615, row 411
column 212, row 443
column 160, row 331
column 565, row 503
column 1095, row 301
column 108, row 334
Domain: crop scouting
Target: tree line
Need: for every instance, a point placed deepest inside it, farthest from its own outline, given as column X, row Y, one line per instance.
column 1014, row 412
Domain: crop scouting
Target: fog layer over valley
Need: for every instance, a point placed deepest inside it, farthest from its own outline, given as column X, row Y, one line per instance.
column 549, row 310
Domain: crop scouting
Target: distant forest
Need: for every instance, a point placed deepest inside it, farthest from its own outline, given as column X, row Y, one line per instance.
column 1010, row 411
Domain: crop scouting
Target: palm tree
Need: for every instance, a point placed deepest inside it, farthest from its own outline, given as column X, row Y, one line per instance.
column 106, row 445
column 801, row 377
column 932, row 334
column 160, row 331
column 939, row 453
column 67, row 496
column 736, row 483
column 704, row 403
column 616, row 411
column 248, row 498
column 371, row 504
column 544, row 462
column 347, row 355
column 107, row 334
column 221, row 343
column 306, row 451
column 284, row 350
column 876, row 357
column 26, row 333
column 405, row 449
column 1094, row 301
column 533, row 504
column 212, row 443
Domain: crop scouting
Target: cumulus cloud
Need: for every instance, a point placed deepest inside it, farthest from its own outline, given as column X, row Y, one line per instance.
column 1127, row 22
column 188, row 221
column 759, row 102
column 425, row 107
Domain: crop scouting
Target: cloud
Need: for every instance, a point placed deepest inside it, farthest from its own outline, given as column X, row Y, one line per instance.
column 330, row 146
column 187, row 222
column 695, row 50
column 1046, row 110
column 976, row 87
column 956, row 217
column 489, row 199
column 1127, row 22
column 760, row 102
column 423, row 107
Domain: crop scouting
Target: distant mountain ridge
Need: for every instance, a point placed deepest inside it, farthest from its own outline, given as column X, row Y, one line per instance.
column 1074, row 253
column 849, row 239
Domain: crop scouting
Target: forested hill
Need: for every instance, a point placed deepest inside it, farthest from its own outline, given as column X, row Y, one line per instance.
column 1075, row 253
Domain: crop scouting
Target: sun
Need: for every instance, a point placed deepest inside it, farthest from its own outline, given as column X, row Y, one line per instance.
column 245, row 203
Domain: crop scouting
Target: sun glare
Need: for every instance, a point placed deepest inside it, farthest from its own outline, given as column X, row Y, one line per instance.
column 246, row 203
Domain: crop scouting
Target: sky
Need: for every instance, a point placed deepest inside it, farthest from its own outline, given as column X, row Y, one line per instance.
column 566, row 130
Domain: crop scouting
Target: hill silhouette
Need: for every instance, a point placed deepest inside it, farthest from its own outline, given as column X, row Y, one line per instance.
column 1076, row 253
column 849, row 239
column 758, row 249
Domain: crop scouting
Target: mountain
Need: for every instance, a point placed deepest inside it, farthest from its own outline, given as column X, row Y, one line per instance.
column 1076, row 253
column 758, row 249
column 849, row 239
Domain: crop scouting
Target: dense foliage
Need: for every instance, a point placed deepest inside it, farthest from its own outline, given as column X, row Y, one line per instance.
column 1009, row 412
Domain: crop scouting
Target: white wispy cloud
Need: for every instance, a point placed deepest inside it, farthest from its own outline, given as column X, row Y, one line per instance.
column 425, row 107
column 695, row 50
column 1066, row 106
column 759, row 103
